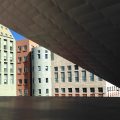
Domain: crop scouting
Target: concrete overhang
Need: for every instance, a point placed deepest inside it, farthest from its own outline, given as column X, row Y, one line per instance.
column 86, row 32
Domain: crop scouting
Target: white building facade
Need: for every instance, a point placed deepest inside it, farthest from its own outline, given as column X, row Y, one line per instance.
column 7, row 63
column 41, row 72
column 112, row 90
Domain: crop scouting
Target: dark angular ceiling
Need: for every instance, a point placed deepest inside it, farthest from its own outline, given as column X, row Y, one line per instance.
column 87, row 32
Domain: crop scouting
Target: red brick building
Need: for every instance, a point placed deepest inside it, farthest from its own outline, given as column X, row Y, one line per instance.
column 23, row 66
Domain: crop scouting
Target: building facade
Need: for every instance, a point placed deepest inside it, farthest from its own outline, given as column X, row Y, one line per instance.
column 112, row 90
column 69, row 79
column 7, row 62
column 41, row 72
column 23, row 66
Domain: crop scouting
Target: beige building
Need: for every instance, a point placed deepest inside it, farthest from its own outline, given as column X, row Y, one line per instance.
column 69, row 79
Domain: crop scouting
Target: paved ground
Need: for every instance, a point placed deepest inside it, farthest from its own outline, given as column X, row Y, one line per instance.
column 45, row 108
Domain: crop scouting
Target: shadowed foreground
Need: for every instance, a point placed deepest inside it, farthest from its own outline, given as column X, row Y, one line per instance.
column 46, row 108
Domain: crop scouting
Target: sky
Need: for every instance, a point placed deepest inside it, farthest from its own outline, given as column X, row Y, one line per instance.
column 17, row 36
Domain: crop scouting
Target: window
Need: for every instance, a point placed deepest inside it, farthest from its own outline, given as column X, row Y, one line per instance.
column 100, row 89
column 69, row 67
column 91, row 77
column 55, row 68
column 25, row 69
column 112, row 88
column 39, row 91
column 63, row 76
column 20, row 81
column 25, row 48
column 19, row 48
column 77, row 90
column 76, row 76
column 25, row 81
column 39, row 68
column 47, row 91
column 62, row 68
column 76, row 67
column 12, row 79
column 5, row 44
column 5, row 70
column 92, row 89
column 38, row 56
column 46, row 80
column 25, row 92
column 38, row 51
column 46, row 56
column 84, row 90
column 107, row 89
column 69, row 76
column 19, row 70
column 20, row 92
column 24, row 58
column 56, row 76
column 46, row 51
column 39, row 79
column 117, row 88
column 70, row 90
column 5, row 79
column 56, row 90
column 11, row 45
column 11, row 57
column 63, row 90
column 5, row 67
column 5, row 56
column 46, row 68
column 84, row 75
column 19, row 59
